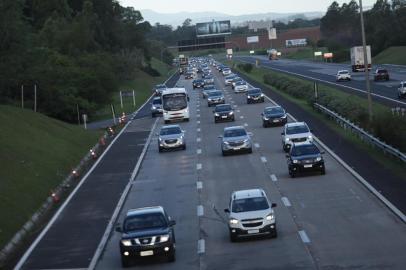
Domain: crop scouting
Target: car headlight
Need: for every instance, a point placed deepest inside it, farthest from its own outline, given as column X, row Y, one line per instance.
column 226, row 143
column 284, row 116
column 165, row 238
column 246, row 140
column 248, row 96
column 160, row 139
column 231, row 113
column 318, row 159
column 233, row 221
column 262, row 95
column 216, row 114
column 287, row 139
column 270, row 217
column 295, row 161
column 153, row 107
column 265, row 118
column 126, row 243
column 310, row 137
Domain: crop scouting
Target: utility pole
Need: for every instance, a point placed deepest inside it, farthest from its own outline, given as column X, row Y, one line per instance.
column 364, row 45
column 35, row 97
column 22, row 96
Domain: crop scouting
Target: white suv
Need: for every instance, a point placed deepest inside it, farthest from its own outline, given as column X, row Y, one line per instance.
column 250, row 213
column 343, row 75
column 402, row 90
column 295, row 132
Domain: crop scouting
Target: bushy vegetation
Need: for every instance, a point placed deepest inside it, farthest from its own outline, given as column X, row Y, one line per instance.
column 247, row 67
column 75, row 51
column 387, row 127
column 384, row 24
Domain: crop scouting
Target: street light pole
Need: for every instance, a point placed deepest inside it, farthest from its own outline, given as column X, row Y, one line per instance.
column 366, row 64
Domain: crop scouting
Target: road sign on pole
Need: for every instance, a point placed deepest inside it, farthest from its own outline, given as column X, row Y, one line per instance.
column 316, row 90
column 85, row 120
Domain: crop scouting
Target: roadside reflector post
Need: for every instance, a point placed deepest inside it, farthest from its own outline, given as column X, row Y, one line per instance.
column 121, row 99
column 114, row 114
column 134, row 98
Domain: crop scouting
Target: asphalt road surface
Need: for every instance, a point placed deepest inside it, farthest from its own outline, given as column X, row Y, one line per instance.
column 384, row 92
column 324, row 221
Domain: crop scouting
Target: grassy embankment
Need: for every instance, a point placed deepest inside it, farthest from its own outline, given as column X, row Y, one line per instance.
column 392, row 55
column 142, row 84
column 36, row 153
column 395, row 165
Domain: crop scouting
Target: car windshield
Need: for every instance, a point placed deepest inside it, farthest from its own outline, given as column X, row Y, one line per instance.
column 249, row 204
column 209, row 87
column 343, row 72
column 160, row 86
column 234, row 133
column 157, row 101
column 223, row 108
column 275, row 110
column 240, row 83
column 382, row 71
column 170, row 131
column 229, row 77
column 174, row 102
column 303, row 150
column 146, row 221
column 215, row 93
column 254, row 92
column 297, row 129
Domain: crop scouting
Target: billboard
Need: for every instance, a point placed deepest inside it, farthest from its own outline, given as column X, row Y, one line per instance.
column 207, row 43
column 214, row 28
column 272, row 33
column 253, row 39
column 296, row 42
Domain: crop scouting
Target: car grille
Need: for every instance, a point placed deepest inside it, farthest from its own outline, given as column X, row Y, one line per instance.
column 299, row 140
column 171, row 141
column 250, row 223
column 236, row 143
column 145, row 241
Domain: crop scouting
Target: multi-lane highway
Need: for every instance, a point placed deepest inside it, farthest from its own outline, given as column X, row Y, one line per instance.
column 384, row 92
column 324, row 222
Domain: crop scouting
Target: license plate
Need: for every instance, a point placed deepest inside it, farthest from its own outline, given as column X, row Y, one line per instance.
column 253, row 231
column 308, row 165
column 224, row 116
column 276, row 120
column 237, row 148
column 147, row 253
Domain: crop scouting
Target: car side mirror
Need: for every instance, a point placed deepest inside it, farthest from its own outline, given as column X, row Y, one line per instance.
column 287, row 156
column 156, row 134
column 250, row 134
column 118, row 228
column 226, row 210
column 214, row 111
column 172, row 223
column 273, row 205
column 322, row 152
column 262, row 114
column 220, row 137
column 283, row 133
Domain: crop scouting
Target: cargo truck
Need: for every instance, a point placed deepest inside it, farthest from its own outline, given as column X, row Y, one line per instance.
column 357, row 58
column 183, row 63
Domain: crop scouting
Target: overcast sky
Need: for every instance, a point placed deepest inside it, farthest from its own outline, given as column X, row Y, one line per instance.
column 235, row 7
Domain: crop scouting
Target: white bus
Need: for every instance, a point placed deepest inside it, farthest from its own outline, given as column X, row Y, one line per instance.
column 175, row 104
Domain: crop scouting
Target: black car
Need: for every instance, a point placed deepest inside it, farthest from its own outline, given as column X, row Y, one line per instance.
column 198, row 83
column 305, row 157
column 146, row 232
column 223, row 112
column 188, row 75
column 381, row 74
column 255, row 95
column 274, row 115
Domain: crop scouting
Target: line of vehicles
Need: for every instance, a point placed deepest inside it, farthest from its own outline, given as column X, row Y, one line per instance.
column 149, row 231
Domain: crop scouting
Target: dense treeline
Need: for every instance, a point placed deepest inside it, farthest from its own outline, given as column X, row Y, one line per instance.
column 384, row 26
column 75, row 51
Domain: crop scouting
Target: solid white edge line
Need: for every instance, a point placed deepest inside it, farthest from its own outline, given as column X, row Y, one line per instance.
column 263, row 159
column 120, row 204
column 200, row 210
column 200, row 246
column 357, row 176
column 199, row 166
column 335, row 84
column 199, row 185
column 304, row 237
column 286, row 202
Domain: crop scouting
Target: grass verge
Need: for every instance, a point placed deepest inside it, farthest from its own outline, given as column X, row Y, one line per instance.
column 37, row 152
column 142, row 85
column 392, row 55
column 395, row 165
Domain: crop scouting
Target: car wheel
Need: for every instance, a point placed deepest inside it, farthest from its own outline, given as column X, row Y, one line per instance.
column 274, row 233
column 250, row 150
column 264, row 125
column 184, row 147
column 263, row 100
column 215, row 121
column 233, row 119
column 125, row 262
column 172, row 257
column 160, row 149
column 166, row 121
column 248, row 101
column 224, row 153
column 187, row 119
column 153, row 115
column 233, row 237
column 323, row 172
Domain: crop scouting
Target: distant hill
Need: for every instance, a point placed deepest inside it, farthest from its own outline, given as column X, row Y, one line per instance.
column 178, row 18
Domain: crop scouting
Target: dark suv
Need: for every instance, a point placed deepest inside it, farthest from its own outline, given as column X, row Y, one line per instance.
column 223, row 112
column 198, row 83
column 381, row 74
column 146, row 232
column 255, row 95
column 305, row 157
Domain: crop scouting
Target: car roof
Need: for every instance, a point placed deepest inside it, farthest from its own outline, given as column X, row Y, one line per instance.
column 344, row 70
column 145, row 210
column 157, row 98
column 303, row 144
column 234, row 127
column 248, row 193
column 255, row 89
column 293, row 124
column 223, row 105
column 272, row 107
column 170, row 126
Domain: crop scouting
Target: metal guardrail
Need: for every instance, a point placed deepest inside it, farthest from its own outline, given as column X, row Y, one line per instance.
column 362, row 134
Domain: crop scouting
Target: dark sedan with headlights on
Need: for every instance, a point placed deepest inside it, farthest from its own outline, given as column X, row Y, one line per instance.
column 255, row 95
column 223, row 112
column 274, row 116
column 305, row 157
column 215, row 97
column 198, row 83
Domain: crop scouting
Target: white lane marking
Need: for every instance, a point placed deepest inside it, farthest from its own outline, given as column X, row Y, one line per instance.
column 200, row 210
column 304, row 237
column 245, row 125
column 199, row 151
column 263, row 159
column 199, row 166
column 286, row 202
column 198, row 122
column 335, row 84
column 242, row 117
column 235, row 106
column 238, row 111
column 200, row 246
column 274, row 178
column 199, row 185
column 198, row 130
column 198, row 140
column 197, row 115
column 197, row 110
column 256, row 145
